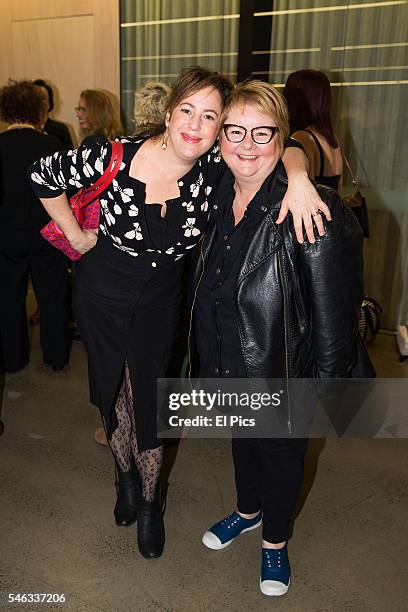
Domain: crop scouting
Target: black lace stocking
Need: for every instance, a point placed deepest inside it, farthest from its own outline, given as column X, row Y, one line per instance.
column 124, row 442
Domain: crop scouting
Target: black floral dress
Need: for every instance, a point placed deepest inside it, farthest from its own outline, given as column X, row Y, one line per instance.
column 129, row 291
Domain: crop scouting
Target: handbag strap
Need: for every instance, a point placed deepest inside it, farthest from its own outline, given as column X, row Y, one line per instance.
column 349, row 169
column 92, row 192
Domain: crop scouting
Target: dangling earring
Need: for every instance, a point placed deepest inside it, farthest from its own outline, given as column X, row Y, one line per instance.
column 217, row 156
column 164, row 141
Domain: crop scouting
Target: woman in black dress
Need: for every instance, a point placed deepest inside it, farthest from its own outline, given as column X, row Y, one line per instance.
column 129, row 288
column 23, row 252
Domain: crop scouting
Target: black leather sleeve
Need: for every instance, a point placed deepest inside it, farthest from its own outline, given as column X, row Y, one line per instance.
column 333, row 269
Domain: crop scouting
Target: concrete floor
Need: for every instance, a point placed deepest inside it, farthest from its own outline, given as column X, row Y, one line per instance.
column 349, row 549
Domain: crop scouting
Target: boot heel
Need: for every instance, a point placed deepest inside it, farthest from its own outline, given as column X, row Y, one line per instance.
column 128, row 496
column 150, row 527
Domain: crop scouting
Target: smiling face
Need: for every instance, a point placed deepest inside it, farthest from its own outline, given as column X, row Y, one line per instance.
column 194, row 123
column 249, row 162
column 80, row 112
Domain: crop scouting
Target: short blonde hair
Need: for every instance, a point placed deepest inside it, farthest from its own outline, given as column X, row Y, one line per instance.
column 266, row 99
column 150, row 107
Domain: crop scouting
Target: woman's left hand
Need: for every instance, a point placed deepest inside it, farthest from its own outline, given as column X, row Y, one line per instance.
column 303, row 201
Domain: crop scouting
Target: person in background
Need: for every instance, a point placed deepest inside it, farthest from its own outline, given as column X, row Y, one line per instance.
column 23, row 251
column 308, row 95
column 51, row 126
column 150, row 106
column 149, row 111
column 98, row 120
column 267, row 307
column 129, row 291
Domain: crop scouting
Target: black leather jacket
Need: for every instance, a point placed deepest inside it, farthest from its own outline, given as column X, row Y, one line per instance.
column 297, row 305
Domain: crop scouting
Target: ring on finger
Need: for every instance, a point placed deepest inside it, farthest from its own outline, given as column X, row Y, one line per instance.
column 317, row 213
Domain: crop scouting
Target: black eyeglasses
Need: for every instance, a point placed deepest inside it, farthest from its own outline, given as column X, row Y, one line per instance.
column 260, row 135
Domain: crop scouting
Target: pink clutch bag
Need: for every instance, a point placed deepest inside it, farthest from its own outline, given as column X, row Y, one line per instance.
column 85, row 206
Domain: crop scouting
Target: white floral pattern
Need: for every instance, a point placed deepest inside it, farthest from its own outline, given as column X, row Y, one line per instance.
column 88, row 170
column 109, row 217
column 122, row 201
column 189, row 206
column 195, row 188
column 190, row 229
column 135, row 233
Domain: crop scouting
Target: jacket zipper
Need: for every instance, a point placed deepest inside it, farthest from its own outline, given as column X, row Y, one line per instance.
column 285, row 325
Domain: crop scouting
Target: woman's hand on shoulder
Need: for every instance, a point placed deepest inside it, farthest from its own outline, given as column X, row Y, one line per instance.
column 303, row 201
column 84, row 241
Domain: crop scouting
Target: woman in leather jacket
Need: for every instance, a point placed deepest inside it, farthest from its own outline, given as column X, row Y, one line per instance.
column 266, row 306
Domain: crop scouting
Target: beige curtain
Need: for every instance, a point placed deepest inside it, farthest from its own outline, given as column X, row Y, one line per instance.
column 364, row 52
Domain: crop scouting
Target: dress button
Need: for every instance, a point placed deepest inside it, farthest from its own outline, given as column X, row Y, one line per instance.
column 216, row 371
column 226, row 372
column 180, row 183
column 263, row 208
column 228, row 247
column 218, row 271
column 154, row 264
column 217, row 302
column 226, row 237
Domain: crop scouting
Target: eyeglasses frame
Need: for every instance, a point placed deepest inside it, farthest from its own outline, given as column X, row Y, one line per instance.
column 274, row 129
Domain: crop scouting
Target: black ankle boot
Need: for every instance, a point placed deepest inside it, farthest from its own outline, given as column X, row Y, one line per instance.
column 128, row 496
column 150, row 527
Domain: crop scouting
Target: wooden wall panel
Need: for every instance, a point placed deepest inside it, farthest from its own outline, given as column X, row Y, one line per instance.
column 72, row 43
column 41, row 9
column 36, row 41
column 107, row 45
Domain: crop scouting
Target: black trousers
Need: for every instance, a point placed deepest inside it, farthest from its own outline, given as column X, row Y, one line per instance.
column 48, row 269
column 268, row 477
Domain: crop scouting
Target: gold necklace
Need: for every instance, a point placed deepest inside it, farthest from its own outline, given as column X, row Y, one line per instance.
column 19, row 126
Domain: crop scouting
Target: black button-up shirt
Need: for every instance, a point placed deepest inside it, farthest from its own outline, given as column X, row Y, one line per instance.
column 216, row 325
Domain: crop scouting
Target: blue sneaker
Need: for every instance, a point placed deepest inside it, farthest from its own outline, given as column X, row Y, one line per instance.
column 275, row 571
column 225, row 531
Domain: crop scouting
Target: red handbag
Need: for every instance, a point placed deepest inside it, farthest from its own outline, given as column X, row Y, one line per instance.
column 85, row 206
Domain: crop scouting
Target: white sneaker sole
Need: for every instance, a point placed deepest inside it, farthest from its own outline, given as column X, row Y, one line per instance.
column 210, row 540
column 273, row 588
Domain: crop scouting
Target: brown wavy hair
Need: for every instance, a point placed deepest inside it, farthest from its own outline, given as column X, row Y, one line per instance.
column 100, row 114
column 22, row 102
column 191, row 80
